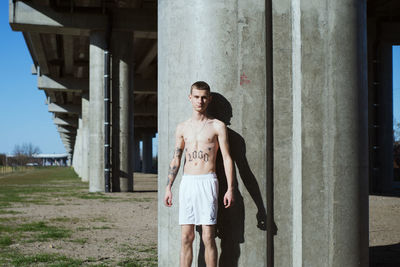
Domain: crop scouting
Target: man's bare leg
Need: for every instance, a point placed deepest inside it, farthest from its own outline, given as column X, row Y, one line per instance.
column 187, row 237
column 210, row 253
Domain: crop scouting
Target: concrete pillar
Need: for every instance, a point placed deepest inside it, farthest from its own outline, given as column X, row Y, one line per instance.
column 122, row 83
column 385, row 119
column 320, row 133
column 136, row 153
column 96, row 111
column 85, row 137
column 222, row 44
column 147, row 159
column 77, row 156
column 69, row 163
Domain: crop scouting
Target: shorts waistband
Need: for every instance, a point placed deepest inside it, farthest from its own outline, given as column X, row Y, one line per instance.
column 211, row 175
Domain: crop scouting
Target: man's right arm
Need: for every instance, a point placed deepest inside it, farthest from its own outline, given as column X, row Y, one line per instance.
column 175, row 164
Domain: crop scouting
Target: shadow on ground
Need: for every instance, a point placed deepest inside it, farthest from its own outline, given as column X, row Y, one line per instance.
column 384, row 256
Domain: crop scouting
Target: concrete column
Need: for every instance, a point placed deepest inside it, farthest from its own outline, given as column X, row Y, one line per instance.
column 96, row 111
column 147, row 160
column 77, row 156
column 320, row 133
column 85, row 137
column 385, row 119
column 221, row 43
column 75, row 153
column 122, row 83
column 69, row 163
column 136, row 153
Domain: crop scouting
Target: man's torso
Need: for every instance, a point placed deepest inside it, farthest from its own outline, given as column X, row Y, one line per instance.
column 201, row 146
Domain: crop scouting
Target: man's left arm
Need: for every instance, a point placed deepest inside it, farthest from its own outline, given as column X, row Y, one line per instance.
column 228, row 163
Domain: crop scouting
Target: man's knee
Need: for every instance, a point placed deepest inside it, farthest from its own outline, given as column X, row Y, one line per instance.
column 187, row 238
column 208, row 238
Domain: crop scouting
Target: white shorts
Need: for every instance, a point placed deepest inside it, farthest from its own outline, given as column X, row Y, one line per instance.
column 198, row 199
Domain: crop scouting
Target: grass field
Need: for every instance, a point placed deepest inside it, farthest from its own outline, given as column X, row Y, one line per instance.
column 21, row 234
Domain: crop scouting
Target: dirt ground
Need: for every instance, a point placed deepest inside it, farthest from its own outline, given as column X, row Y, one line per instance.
column 384, row 231
column 104, row 229
column 110, row 229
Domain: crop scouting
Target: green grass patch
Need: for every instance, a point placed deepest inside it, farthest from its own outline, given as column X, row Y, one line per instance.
column 139, row 262
column 5, row 241
column 41, row 230
column 83, row 228
column 38, row 186
column 105, row 227
column 99, row 219
column 17, row 259
column 65, row 219
column 3, row 211
column 45, row 232
column 81, row 241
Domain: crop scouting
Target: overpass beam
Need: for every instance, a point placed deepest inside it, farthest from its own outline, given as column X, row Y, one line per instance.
column 63, row 84
column 68, row 108
column 30, row 17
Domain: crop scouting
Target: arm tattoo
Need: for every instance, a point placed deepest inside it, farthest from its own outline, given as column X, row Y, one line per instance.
column 178, row 152
column 172, row 172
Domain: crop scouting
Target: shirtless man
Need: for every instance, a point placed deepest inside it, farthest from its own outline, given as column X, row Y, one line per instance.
column 199, row 138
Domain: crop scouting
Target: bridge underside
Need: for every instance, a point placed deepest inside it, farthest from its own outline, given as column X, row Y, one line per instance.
column 67, row 41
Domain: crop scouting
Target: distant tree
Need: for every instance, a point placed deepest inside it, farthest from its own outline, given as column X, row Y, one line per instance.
column 26, row 149
column 396, row 131
column 396, row 143
column 3, row 160
column 24, row 153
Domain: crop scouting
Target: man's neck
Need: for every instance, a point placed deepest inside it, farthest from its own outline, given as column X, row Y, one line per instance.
column 197, row 116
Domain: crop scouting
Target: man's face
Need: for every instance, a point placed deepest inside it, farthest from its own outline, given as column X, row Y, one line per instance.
column 199, row 99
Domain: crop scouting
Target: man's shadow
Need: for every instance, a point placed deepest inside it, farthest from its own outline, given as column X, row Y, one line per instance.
column 230, row 225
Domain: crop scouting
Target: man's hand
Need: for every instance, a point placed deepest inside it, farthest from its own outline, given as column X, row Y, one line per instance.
column 168, row 197
column 228, row 198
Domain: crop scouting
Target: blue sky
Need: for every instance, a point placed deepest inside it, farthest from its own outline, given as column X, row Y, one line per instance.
column 24, row 117
column 23, row 114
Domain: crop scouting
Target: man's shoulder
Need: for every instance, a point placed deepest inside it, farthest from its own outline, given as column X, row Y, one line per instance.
column 181, row 125
column 218, row 124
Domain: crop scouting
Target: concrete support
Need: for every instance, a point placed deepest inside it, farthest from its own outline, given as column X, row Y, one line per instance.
column 122, row 83
column 85, row 137
column 96, row 112
column 69, row 162
column 221, row 43
column 77, row 156
column 147, row 159
column 136, row 153
column 385, row 119
column 320, row 133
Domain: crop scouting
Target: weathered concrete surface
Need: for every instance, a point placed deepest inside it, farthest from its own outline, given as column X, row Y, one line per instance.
column 96, row 112
column 85, row 137
column 77, row 153
column 320, row 133
column 222, row 44
column 122, row 86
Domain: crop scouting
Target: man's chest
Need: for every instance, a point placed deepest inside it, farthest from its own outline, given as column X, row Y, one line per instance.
column 191, row 136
